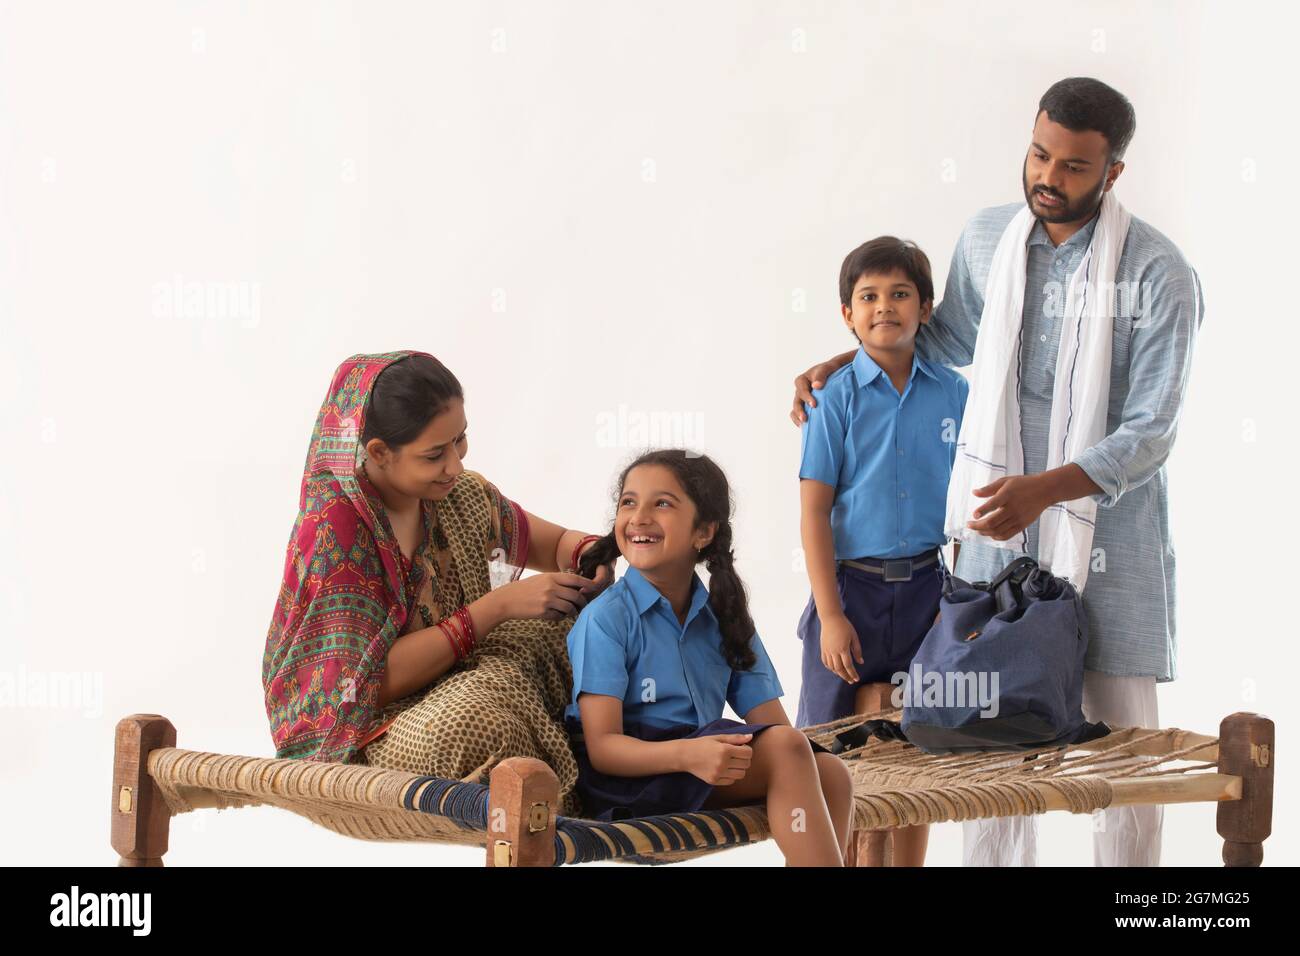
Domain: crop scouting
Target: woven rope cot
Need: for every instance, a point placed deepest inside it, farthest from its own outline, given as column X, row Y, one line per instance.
column 514, row 818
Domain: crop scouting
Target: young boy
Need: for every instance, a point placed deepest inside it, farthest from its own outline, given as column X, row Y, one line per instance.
column 877, row 452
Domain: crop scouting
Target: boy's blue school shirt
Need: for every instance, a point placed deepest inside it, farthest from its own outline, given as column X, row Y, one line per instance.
column 888, row 457
column 627, row 643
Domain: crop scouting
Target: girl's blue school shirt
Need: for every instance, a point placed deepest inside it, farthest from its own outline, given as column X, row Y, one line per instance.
column 627, row 643
column 888, row 457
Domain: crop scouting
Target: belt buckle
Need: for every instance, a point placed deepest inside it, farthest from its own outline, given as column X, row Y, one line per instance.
column 891, row 573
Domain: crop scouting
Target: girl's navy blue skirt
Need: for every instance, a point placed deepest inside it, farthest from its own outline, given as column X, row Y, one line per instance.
column 606, row 797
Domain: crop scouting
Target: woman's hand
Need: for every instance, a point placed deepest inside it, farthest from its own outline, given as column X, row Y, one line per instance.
column 548, row 596
column 721, row 759
column 841, row 647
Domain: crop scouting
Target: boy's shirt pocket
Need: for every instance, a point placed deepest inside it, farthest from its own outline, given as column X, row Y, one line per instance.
column 934, row 446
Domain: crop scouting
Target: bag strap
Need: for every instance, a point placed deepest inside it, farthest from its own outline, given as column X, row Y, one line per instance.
column 1015, row 572
column 858, row 736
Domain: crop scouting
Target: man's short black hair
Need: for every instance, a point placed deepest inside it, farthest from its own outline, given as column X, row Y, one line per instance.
column 1081, row 103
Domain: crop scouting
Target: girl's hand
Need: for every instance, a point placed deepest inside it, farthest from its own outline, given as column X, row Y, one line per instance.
column 841, row 648
column 548, row 596
column 721, row 759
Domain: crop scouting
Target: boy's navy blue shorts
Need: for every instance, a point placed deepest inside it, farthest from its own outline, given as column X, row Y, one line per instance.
column 891, row 618
column 610, row 798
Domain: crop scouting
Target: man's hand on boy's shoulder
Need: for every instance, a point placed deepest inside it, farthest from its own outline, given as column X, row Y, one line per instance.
column 814, row 378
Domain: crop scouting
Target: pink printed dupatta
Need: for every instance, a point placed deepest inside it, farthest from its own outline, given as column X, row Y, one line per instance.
column 345, row 595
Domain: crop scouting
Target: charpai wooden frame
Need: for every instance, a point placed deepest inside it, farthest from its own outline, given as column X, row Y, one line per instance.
column 516, row 822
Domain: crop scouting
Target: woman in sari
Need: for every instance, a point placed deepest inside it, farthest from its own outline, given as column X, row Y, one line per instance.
column 389, row 644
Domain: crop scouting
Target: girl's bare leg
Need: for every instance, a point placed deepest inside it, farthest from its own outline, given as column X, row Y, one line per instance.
column 784, row 773
column 909, row 843
column 837, row 788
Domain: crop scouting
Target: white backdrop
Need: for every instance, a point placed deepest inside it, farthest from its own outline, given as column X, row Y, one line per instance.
column 607, row 219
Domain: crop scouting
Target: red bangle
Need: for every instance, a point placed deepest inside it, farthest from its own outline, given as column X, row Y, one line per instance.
column 462, row 614
column 458, row 648
column 573, row 562
column 459, row 628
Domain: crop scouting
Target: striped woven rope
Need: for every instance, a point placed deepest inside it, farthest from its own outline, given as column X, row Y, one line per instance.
column 464, row 803
column 585, row 841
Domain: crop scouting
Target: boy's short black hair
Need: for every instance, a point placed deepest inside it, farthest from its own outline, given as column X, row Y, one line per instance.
column 1081, row 103
column 886, row 254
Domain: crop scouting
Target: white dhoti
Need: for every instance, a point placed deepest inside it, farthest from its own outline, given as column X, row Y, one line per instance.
column 1122, row 836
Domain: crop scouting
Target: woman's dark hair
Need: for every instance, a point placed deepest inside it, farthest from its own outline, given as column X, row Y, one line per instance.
column 707, row 487
column 1081, row 103
column 406, row 396
column 886, row 254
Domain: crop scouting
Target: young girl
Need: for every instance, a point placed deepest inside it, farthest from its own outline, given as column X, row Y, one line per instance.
column 656, row 657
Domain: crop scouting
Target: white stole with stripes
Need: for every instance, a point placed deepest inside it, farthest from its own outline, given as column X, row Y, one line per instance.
column 988, row 446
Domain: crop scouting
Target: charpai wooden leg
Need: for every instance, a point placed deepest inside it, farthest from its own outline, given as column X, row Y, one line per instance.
column 140, row 816
column 523, row 795
column 1246, row 751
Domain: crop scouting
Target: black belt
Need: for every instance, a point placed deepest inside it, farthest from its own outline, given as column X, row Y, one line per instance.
column 896, row 569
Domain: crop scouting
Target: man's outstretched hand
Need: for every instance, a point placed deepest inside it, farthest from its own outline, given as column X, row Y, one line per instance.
column 1014, row 503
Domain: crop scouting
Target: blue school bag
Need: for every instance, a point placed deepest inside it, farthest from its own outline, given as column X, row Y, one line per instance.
column 1027, row 627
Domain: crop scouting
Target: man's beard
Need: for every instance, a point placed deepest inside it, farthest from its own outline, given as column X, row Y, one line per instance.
column 1082, row 209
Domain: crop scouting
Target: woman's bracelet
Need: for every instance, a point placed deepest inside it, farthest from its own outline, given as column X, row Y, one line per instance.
column 459, row 628
column 450, row 631
column 573, row 561
column 462, row 614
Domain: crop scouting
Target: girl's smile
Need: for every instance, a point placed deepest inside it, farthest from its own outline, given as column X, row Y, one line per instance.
column 655, row 526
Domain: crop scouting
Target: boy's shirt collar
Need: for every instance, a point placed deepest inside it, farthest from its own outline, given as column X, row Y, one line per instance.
column 645, row 595
column 865, row 368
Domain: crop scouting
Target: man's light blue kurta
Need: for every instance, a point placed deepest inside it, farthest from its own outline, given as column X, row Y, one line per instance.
column 1129, row 596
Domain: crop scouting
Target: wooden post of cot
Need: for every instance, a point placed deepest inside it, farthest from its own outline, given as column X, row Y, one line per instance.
column 523, row 796
column 1246, row 751
column 140, row 815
